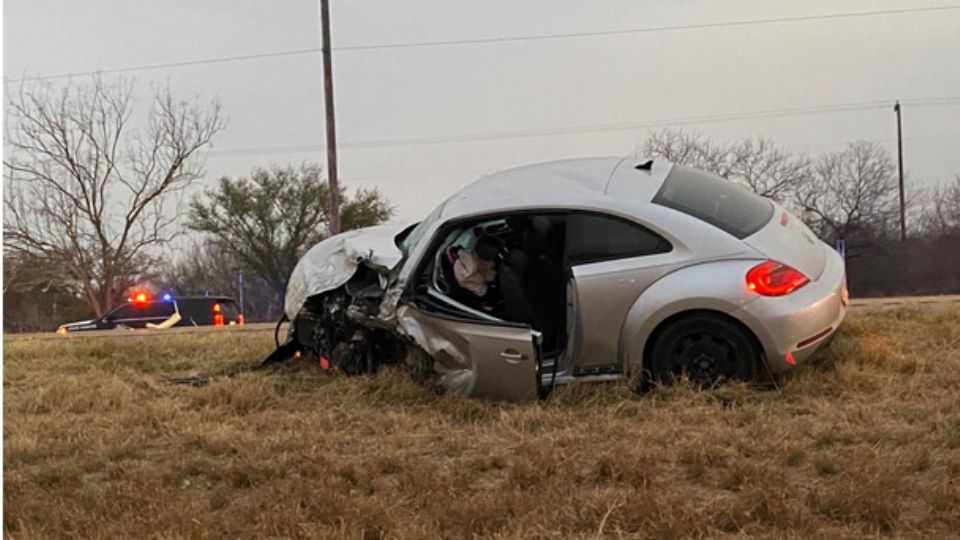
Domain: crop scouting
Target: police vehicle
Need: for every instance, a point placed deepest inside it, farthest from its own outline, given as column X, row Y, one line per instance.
column 166, row 311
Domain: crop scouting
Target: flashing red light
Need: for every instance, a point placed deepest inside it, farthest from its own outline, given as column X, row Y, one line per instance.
column 771, row 278
column 140, row 297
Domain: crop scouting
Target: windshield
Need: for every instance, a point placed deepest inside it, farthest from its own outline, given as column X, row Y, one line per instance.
column 414, row 237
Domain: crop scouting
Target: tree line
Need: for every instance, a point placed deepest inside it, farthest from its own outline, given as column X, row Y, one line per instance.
column 95, row 205
column 849, row 195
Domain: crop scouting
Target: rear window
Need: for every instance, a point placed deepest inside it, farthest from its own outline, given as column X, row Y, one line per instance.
column 719, row 202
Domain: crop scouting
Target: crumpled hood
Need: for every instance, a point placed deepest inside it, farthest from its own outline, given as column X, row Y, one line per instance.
column 333, row 261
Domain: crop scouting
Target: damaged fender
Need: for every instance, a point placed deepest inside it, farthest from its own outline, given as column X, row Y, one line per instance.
column 499, row 362
column 332, row 262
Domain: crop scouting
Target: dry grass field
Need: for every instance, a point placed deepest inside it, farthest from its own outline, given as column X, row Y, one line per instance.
column 864, row 442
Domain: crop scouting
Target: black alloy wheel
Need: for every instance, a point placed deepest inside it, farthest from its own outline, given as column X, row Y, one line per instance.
column 707, row 349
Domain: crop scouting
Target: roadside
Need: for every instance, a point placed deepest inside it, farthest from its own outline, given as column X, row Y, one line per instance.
column 905, row 301
column 857, row 303
column 143, row 332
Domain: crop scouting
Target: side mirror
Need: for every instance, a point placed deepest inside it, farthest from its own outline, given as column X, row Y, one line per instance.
column 402, row 235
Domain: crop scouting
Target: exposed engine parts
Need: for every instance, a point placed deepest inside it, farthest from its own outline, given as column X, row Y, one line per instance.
column 338, row 330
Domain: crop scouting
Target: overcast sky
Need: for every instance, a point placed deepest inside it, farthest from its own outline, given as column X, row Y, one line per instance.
column 275, row 108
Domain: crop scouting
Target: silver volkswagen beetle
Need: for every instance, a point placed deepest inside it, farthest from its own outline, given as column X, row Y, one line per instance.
column 577, row 270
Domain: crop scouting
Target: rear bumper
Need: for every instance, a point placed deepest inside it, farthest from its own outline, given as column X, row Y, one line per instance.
column 791, row 328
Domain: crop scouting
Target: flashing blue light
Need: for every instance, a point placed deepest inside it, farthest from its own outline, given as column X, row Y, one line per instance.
column 167, row 297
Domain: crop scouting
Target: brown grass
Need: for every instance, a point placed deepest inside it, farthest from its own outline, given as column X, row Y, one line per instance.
column 864, row 442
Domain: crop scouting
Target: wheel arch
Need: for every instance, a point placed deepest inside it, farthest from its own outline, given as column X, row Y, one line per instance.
column 715, row 287
column 658, row 330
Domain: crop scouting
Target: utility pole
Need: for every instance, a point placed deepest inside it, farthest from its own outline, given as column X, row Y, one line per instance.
column 332, row 183
column 903, row 219
column 240, row 290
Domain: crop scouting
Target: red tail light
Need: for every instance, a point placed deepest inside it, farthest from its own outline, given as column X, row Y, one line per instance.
column 771, row 278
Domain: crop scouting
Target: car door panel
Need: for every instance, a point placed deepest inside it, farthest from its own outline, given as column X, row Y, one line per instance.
column 605, row 292
column 497, row 361
column 574, row 326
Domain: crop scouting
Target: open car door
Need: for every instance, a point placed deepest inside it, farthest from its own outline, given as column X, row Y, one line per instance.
column 489, row 359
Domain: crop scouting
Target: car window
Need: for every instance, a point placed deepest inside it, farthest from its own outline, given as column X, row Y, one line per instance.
column 196, row 310
column 158, row 309
column 149, row 310
column 229, row 310
column 200, row 310
column 714, row 200
column 597, row 237
column 126, row 311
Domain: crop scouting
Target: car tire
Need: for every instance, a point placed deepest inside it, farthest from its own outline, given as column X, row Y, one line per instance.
column 707, row 349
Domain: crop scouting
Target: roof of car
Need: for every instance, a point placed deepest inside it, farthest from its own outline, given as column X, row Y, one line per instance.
column 217, row 298
column 570, row 182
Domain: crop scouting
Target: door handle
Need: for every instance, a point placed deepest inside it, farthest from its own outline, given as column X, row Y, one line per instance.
column 513, row 356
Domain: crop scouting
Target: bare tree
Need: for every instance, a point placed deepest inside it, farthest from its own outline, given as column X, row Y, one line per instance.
column 941, row 212
column 31, row 305
column 754, row 163
column 766, row 169
column 691, row 149
column 850, row 192
column 85, row 193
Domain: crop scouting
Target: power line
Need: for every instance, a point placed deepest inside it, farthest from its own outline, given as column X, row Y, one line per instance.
column 890, row 140
column 472, row 172
column 932, row 102
column 628, row 126
column 420, row 175
column 695, row 26
column 591, row 128
column 505, row 39
column 265, row 150
column 588, row 128
column 594, row 128
column 168, row 65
